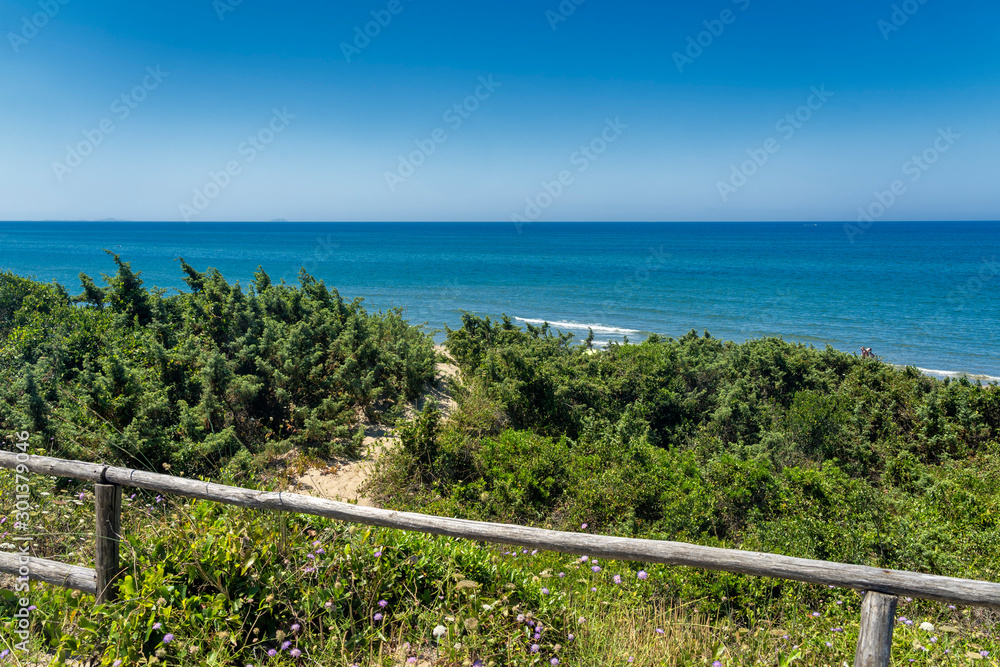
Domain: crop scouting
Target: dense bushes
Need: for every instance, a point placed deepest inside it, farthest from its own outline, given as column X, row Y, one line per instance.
column 764, row 445
column 128, row 375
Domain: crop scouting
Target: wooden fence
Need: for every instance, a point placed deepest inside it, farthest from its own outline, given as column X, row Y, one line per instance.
column 877, row 610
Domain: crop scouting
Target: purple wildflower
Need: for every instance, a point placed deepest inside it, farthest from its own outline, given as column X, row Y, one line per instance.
column 295, row 653
column 643, row 574
column 156, row 626
column 596, row 568
column 534, row 648
column 583, row 526
column 545, row 591
column 285, row 645
column 167, row 638
column 717, row 664
column 296, row 627
column 272, row 652
column 383, row 603
column 617, row 579
column 377, row 617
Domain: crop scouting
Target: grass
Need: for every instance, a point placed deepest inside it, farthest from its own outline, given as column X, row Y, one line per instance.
column 230, row 585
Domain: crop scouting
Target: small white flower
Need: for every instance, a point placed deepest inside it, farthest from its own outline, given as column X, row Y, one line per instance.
column 440, row 631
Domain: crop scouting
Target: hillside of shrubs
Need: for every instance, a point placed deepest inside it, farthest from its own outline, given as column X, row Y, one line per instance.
column 199, row 380
column 765, row 445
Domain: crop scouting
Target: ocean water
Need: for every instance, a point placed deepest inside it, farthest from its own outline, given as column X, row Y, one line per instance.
column 922, row 294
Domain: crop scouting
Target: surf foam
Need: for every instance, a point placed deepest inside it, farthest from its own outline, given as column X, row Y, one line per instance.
column 577, row 326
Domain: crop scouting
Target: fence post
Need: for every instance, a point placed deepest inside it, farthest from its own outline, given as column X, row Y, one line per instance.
column 108, row 502
column 878, row 616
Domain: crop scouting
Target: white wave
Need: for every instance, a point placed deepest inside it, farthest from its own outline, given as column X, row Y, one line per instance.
column 956, row 374
column 576, row 326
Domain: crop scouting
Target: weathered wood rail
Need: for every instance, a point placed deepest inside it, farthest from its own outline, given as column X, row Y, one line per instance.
column 881, row 585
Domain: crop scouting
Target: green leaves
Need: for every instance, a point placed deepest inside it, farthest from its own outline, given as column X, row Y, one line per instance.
column 204, row 375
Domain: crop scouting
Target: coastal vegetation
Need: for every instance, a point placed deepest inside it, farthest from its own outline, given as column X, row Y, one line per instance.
column 764, row 445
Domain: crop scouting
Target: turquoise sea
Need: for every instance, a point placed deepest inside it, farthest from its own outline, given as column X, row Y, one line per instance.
column 922, row 294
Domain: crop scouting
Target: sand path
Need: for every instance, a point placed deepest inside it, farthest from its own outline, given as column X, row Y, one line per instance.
column 343, row 477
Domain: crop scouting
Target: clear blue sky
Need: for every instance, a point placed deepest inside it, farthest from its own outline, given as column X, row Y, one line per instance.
column 225, row 67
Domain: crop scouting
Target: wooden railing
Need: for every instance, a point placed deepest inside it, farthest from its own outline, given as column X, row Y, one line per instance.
column 878, row 608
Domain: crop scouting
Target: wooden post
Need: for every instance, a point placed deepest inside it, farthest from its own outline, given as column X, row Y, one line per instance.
column 878, row 616
column 108, row 501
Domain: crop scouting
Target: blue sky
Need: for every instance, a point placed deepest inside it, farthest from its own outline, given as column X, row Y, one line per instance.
column 258, row 111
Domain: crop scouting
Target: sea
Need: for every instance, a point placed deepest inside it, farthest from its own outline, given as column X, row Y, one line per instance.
column 918, row 293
